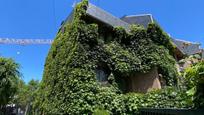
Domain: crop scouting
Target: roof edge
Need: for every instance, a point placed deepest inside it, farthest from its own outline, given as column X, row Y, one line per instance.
column 196, row 43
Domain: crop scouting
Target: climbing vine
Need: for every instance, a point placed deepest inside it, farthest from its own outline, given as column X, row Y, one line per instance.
column 69, row 84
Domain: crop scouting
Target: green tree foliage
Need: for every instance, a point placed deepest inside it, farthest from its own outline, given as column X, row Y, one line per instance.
column 26, row 94
column 9, row 74
column 69, row 84
column 19, row 98
column 195, row 83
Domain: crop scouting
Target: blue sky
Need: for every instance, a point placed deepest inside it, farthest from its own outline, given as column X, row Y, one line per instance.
column 182, row 19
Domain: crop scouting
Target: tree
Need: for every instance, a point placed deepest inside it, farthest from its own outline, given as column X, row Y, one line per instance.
column 20, row 96
column 9, row 74
column 31, row 95
column 26, row 94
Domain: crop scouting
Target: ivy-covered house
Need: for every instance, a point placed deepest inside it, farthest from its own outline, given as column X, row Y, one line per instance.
column 97, row 58
column 139, row 82
column 183, row 48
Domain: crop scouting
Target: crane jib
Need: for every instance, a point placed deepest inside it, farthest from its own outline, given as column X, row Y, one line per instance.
column 25, row 41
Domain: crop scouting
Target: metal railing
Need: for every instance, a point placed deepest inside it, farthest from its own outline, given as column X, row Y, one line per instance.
column 149, row 111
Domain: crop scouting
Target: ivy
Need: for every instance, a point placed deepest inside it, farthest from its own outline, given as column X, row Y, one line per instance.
column 167, row 98
column 160, row 37
column 69, row 84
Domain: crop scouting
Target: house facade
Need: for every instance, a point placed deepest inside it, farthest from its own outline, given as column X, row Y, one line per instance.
column 139, row 82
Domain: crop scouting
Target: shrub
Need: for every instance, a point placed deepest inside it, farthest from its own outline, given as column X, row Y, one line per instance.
column 195, row 83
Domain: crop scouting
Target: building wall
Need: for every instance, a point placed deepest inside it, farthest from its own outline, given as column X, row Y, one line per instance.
column 203, row 54
column 144, row 82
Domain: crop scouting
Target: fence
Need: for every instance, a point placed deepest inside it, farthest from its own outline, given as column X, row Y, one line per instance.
column 148, row 111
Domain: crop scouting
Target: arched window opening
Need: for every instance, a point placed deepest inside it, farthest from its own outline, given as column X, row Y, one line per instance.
column 102, row 73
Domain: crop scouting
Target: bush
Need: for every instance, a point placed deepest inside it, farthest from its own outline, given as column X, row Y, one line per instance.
column 194, row 77
column 168, row 98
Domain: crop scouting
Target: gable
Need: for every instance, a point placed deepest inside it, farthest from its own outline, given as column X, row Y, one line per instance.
column 187, row 48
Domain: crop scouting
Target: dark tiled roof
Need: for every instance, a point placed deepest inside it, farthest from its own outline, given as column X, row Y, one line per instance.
column 101, row 16
column 105, row 17
column 186, row 47
column 143, row 20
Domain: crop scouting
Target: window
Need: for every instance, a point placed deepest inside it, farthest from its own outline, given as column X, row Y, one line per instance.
column 101, row 75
